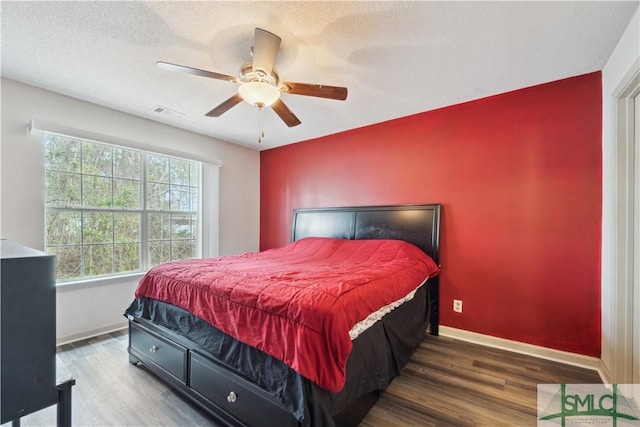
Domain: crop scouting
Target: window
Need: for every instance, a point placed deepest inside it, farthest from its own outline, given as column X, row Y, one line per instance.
column 111, row 210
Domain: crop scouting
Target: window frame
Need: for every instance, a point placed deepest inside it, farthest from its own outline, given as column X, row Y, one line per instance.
column 208, row 194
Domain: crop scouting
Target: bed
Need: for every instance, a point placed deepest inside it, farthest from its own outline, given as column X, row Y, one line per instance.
column 266, row 377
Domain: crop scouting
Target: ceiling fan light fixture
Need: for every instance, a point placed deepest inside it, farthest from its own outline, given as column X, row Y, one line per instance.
column 259, row 94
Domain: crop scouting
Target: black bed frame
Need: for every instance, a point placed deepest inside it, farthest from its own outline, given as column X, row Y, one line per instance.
column 184, row 366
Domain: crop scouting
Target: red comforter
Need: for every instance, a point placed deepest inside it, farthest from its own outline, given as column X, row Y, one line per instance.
column 296, row 303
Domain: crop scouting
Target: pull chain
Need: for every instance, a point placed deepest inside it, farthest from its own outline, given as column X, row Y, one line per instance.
column 260, row 124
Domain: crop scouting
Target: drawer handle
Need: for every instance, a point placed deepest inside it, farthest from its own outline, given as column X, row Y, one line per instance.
column 232, row 397
column 153, row 349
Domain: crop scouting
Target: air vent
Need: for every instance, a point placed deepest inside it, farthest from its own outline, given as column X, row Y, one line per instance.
column 167, row 112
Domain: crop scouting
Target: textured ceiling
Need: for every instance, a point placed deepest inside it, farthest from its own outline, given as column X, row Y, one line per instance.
column 396, row 58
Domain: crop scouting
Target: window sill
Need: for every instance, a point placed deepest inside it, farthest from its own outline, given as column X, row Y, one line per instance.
column 100, row 281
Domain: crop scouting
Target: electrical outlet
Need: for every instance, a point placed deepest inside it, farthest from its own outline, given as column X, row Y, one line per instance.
column 457, row 305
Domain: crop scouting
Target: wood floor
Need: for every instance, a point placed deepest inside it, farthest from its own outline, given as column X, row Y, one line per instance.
column 447, row 383
column 455, row 383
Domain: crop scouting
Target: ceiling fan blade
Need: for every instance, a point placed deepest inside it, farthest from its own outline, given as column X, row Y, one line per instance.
column 225, row 106
column 320, row 91
column 195, row 71
column 265, row 49
column 285, row 113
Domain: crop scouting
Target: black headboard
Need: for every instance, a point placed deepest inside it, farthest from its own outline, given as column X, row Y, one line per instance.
column 417, row 224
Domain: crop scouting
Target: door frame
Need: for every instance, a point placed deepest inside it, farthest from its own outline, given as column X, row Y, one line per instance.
column 626, row 286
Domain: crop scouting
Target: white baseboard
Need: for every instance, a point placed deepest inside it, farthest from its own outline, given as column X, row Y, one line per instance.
column 605, row 373
column 67, row 339
column 573, row 359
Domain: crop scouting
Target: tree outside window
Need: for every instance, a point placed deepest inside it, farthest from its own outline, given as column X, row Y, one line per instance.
column 112, row 210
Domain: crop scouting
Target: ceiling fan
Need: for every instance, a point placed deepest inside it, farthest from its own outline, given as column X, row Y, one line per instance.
column 260, row 83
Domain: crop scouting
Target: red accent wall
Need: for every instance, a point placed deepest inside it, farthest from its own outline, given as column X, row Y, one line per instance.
column 520, row 179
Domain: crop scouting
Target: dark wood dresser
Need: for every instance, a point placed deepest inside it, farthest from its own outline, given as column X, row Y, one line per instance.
column 28, row 330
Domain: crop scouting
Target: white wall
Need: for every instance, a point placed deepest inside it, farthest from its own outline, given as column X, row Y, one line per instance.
column 624, row 60
column 89, row 309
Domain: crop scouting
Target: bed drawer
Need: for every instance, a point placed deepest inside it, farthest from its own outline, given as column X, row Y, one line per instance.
column 167, row 355
column 245, row 401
